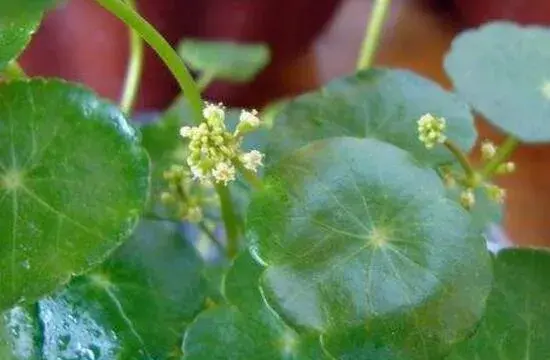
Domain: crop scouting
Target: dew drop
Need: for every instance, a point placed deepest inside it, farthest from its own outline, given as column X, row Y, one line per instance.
column 26, row 264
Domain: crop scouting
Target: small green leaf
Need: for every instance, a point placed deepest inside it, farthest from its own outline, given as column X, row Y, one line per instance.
column 354, row 233
column 73, row 181
column 515, row 325
column 135, row 306
column 15, row 33
column 378, row 103
column 245, row 328
column 224, row 60
column 502, row 70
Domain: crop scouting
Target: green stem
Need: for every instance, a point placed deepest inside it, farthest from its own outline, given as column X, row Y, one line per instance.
column 230, row 220
column 170, row 57
column 251, row 177
column 204, row 228
column 135, row 67
column 372, row 33
column 13, row 71
column 503, row 153
column 461, row 157
column 204, row 81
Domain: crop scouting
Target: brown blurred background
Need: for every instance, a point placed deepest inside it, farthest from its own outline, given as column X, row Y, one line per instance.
column 313, row 41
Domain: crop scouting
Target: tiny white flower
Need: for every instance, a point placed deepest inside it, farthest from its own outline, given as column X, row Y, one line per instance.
column 506, row 168
column 198, row 173
column 467, row 198
column 252, row 160
column 249, row 118
column 431, row 130
column 187, row 131
column 488, row 150
column 224, row 172
column 214, row 114
column 496, row 194
column 194, row 214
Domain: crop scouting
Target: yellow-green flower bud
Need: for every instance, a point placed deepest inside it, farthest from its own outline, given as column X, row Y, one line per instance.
column 467, row 198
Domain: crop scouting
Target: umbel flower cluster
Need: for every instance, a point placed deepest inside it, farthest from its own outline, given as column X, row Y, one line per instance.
column 215, row 152
column 431, row 131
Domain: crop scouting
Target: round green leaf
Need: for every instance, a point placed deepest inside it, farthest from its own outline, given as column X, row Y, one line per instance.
column 224, row 60
column 502, row 70
column 245, row 328
column 73, row 180
column 354, row 233
column 135, row 306
column 15, row 33
column 515, row 325
column 378, row 103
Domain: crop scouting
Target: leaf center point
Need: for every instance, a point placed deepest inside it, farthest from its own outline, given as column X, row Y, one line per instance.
column 11, row 180
column 379, row 236
column 545, row 89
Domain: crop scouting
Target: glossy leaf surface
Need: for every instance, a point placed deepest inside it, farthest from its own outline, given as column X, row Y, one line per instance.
column 355, row 234
column 136, row 306
column 379, row 103
column 73, row 181
column 245, row 328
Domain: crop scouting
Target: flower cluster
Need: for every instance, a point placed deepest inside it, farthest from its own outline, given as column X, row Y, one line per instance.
column 215, row 151
column 431, row 130
column 179, row 194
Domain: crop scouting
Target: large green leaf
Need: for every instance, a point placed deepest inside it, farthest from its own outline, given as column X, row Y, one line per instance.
column 135, row 306
column 224, row 60
column 245, row 328
column 73, row 181
column 11, row 9
column 502, row 70
column 379, row 103
column 515, row 325
column 355, row 234
column 15, row 33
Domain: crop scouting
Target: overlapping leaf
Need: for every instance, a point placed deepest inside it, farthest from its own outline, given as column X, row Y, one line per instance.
column 379, row 103
column 502, row 70
column 515, row 325
column 245, row 328
column 135, row 306
column 15, row 33
column 73, row 181
column 358, row 237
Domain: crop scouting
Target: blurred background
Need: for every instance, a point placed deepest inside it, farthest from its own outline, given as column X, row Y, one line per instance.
column 313, row 41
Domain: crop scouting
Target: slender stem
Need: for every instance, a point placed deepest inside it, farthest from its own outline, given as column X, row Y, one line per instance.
column 461, row 157
column 503, row 153
column 372, row 33
column 250, row 177
column 204, row 228
column 230, row 220
column 204, row 81
column 134, row 70
column 13, row 71
column 170, row 57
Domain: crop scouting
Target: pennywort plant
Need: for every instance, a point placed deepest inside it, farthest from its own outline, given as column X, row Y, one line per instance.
column 347, row 223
